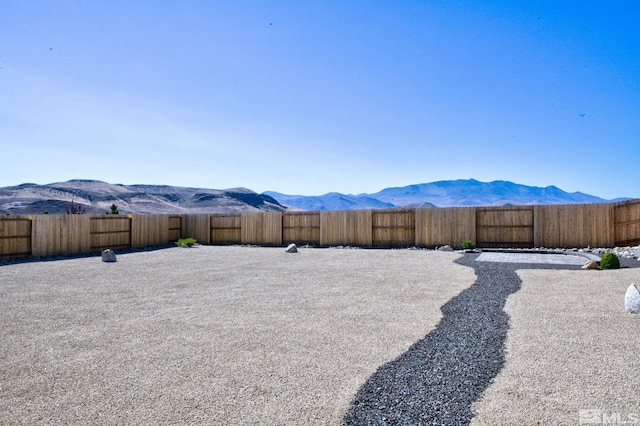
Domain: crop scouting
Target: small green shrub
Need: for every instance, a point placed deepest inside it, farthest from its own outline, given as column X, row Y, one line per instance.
column 609, row 260
column 468, row 245
column 186, row 241
column 113, row 209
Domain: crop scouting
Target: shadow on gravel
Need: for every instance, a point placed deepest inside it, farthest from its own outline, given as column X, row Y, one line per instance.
column 66, row 256
column 439, row 377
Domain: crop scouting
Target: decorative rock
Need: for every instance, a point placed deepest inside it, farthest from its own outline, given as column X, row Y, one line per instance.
column 445, row 248
column 292, row 248
column 632, row 299
column 108, row 256
column 592, row 264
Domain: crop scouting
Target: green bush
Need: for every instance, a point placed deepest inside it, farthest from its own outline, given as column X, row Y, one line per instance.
column 186, row 241
column 468, row 245
column 609, row 260
column 113, row 209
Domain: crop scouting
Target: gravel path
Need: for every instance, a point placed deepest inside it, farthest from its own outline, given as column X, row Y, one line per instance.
column 439, row 377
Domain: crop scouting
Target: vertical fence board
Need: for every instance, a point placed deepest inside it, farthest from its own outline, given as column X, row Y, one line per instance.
column 226, row 228
column 441, row 226
column 261, row 228
column 59, row 234
column 197, row 226
column 301, row 227
column 15, row 236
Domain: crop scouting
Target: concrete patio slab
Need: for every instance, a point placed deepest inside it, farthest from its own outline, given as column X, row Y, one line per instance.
column 533, row 258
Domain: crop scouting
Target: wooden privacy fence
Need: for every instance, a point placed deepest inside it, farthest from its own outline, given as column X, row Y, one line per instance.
column 573, row 225
column 51, row 235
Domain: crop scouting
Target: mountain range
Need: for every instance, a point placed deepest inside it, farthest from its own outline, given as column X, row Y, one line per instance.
column 446, row 193
column 96, row 197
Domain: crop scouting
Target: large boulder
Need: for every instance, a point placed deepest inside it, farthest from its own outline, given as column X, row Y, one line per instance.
column 632, row 299
column 108, row 256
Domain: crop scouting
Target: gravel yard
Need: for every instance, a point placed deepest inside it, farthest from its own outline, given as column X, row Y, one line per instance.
column 248, row 335
column 572, row 352
column 224, row 335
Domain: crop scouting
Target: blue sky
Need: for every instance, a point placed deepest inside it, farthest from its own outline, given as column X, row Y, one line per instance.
column 305, row 97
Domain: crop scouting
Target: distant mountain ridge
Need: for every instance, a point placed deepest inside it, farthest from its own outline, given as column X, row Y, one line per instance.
column 96, row 197
column 446, row 193
column 330, row 201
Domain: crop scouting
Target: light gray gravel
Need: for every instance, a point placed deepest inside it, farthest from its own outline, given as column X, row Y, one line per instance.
column 246, row 335
column 218, row 335
column 438, row 380
column 571, row 350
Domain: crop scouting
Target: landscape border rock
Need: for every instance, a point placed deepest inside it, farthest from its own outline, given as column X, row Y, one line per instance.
column 292, row 248
column 109, row 255
column 632, row 299
column 592, row 264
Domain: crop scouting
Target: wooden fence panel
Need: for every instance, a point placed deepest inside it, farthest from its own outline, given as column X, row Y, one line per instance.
column 175, row 227
column 597, row 228
column 15, row 236
column 301, row 227
column 449, row 225
column 346, row 227
column 627, row 223
column 149, row 230
column 226, row 228
column 393, row 228
column 55, row 234
column 261, row 228
column 504, row 226
column 197, row 226
column 573, row 225
column 109, row 231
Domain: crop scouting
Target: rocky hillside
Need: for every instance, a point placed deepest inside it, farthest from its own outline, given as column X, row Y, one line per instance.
column 96, row 197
